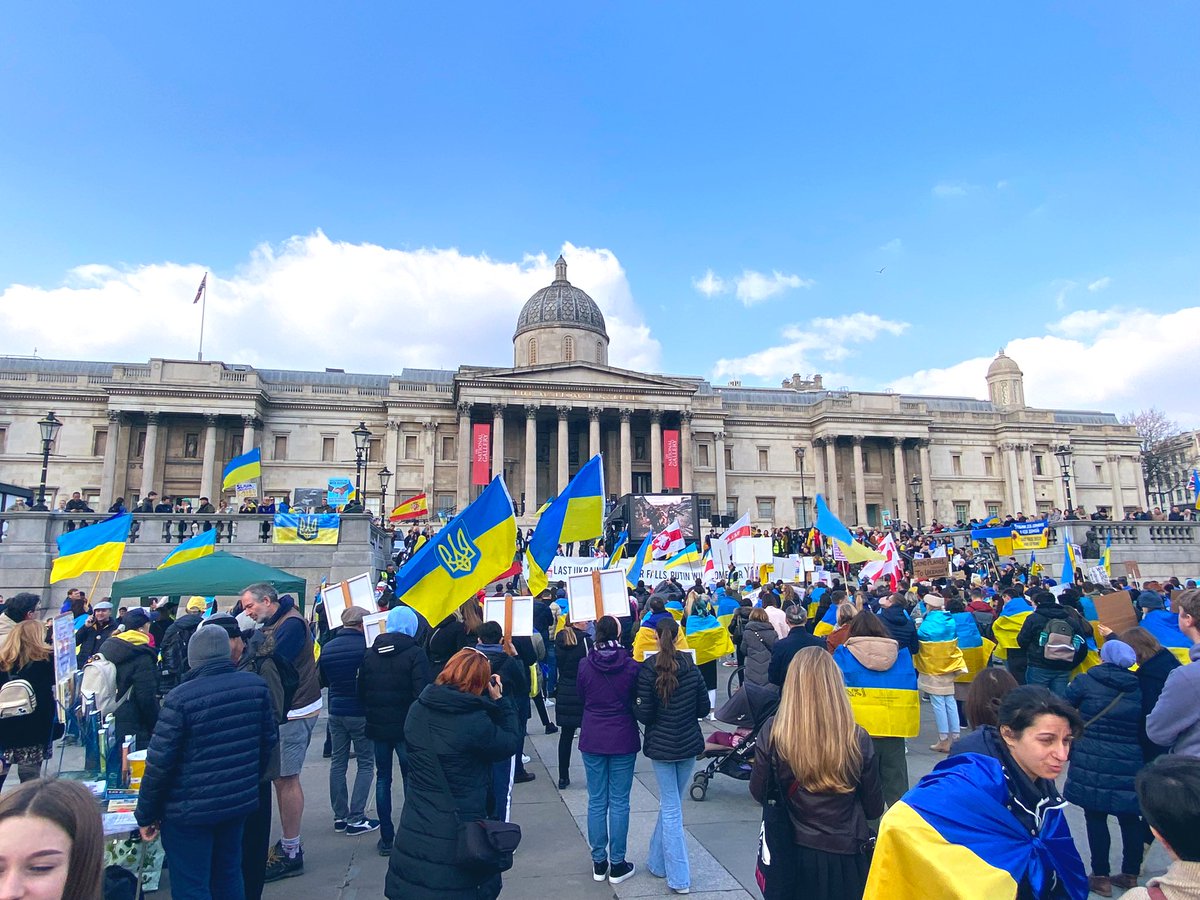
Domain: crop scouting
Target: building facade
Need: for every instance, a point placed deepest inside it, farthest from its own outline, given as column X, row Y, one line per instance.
column 171, row 425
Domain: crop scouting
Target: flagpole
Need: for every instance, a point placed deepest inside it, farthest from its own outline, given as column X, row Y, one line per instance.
column 203, row 309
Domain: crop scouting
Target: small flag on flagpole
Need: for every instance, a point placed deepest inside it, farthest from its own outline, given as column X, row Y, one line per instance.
column 200, row 290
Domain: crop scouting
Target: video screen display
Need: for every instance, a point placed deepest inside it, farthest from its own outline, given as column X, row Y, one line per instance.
column 654, row 512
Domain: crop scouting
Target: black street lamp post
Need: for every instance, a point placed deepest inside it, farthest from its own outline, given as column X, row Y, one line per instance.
column 361, row 436
column 915, row 486
column 49, row 427
column 1064, row 464
column 385, row 475
column 803, row 498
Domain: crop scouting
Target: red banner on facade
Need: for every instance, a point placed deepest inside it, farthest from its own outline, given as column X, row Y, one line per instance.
column 671, row 460
column 481, row 454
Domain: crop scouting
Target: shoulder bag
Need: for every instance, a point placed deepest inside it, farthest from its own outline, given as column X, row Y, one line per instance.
column 482, row 844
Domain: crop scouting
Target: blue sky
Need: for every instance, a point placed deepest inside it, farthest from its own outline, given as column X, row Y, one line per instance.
column 1025, row 174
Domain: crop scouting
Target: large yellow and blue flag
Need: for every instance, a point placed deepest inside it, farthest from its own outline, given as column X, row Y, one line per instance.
column 193, row 548
column 1196, row 486
column 975, row 648
column 467, row 554
column 952, row 837
column 832, row 527
column 885, row 704
column 1165, row 626
column 1008, row 625
column 93, row 548
column 828, row 622
column 938, row 652
column 708, row 637
column 684, row 557
column 246, row 467
column 619, row 548
column 639, row 560
column 307, row 528
column 646, row 639
column 726, row 606
column 577, row 514
column 1068, row 570
column 1106, row 558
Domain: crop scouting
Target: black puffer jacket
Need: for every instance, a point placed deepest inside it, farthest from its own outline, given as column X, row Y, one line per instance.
column 1152, row 675
column 1106, row 759
column 672, row 729
column 758, row 640
column 338, row 668
column 900, row 627
column 137, row 668
column 465, row 733
column 568, row 708
column 212, row 747
column 34, row 729
column 393, row 674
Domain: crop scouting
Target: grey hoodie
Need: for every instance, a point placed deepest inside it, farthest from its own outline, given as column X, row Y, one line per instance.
column 1175, row 720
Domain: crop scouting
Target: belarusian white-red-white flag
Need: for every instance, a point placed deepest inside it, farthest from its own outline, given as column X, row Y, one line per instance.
column 670, row 541
column 739, row 529
column 890, row 567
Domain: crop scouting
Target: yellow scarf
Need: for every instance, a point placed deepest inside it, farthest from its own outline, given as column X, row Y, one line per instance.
column 137, row 638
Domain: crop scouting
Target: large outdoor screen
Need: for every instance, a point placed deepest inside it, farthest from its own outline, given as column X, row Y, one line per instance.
column 654, row 512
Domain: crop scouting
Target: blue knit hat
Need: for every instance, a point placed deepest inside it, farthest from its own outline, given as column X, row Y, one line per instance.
column 1118, row 653
column 403, row 620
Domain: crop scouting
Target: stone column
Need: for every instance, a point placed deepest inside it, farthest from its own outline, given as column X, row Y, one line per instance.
column 464, row 457
column 208, row 473
column 497, row 439
column 626, row 453
column 656, row 452
column 818, row 461
column 108, row 480
column 1143, row 501
column 1014, row 481
column 927, row 482
column 1030, row 495
column 150, row 455
column 901, row 480
column 719, row 450
column 564, row 459
column 531, row 479
column 1118, row 496
column 831, row 471
column 593, row 430
column 249, row 442
column 860, row 491
column 429, row 439
column 685, row 451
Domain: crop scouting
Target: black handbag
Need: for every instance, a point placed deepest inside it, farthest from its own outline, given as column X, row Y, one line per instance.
column 775, row 842
column 481, row 843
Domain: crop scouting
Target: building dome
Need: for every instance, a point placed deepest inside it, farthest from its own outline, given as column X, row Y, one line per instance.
column 561, row 305
column 1003, row 365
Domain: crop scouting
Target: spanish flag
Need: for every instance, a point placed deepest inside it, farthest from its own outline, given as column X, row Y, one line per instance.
column 246, row 467
column 885, row 704
column 1163, row 625
column 952, row 838
column 94, row 548
column 413, row 508
column 193, row 548
column 975, row 648
column 467, row 554
column 577, row 514
column 1008, row 625
column 708, row 637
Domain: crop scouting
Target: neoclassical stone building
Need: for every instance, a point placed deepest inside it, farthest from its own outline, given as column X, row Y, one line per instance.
column 171, row 425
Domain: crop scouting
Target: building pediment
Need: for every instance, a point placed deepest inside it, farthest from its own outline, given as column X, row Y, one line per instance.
column 561, row 379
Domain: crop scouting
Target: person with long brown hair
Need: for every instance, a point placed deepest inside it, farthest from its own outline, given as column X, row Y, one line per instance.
column 453, row 633
column 459, row 726
column 984, row 696
column 51, row 842
column 27, row 740
column 815, row 755
column 671, row 698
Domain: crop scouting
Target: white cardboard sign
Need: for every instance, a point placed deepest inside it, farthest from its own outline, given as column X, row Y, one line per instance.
column 522, row 614
column 586, row 606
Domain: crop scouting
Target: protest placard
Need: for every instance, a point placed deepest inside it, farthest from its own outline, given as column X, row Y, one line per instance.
column 1116, row 611
column 931, row 569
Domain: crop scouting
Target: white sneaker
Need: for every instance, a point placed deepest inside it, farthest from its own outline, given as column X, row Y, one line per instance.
column 524, row 759
column 549, row 701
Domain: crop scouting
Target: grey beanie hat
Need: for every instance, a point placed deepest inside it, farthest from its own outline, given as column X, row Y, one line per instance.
column 209, row 643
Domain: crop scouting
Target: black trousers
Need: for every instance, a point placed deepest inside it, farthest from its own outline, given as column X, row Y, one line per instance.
column 566, row 736
column 1100, row 842
column 256, row 841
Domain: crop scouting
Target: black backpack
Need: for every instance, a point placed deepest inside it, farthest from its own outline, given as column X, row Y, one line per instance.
column 173, row 661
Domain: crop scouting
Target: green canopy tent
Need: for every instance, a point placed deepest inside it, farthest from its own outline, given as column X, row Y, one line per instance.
column 218, row 574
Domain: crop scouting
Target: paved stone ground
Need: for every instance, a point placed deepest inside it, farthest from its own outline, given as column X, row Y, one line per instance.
column 553, row 860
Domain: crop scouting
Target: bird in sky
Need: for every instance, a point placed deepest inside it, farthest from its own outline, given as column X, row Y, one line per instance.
column 880, row 271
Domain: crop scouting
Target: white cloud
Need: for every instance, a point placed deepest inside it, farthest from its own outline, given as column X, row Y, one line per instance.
column 1062, row 288
column 1113, row 360
column 1001, row 184
column 822, row 340
column 1099, row 284
column 952, row 189
column 312, row 302
column 753, row 287
column 710, row 285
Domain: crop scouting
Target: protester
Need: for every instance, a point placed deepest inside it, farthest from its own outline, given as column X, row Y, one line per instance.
column 394, row 671
column 671, row 697
column 571, row 645
column 504, row 662
column 137, row 675
column 609, row 743
column 453, row 633
column 1054, row 641
column 758, row 641
column 338, row 669
column 460, row 726
column 1155, row 663
column 51, row 842
column 737, row 627
column 775, row 613
column 285, row 626
column 173, row 650
column 939, row 662
column 797, row 639
column 211, row 749
column 18, row 608
column 26, row 741
column 845, row 615
column 985, row 695
column 97, row 628
column 1169, row 793
column 1175, row 720
column 814, row 758
column 894, row 615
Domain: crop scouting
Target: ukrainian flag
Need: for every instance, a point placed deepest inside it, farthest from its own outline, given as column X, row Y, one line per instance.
column 708, row 638
column 726, row 607
column 305, row 528
column 94, row 548
column 1068, row 571
column 467, row 554
column 938, row 652
column 619, row 549
column 828, row 622
column 885, row 704
column 831, row 526
column 1008, row 625
column 1106, row 559
column 1164, row 626
column 647, row 639
column 687, row 555
column 193, row 548
column 246, row 467
column 952, row 838
column 976, row 649
column 577, row 514
column 1196, row 486
column 675, row 608
column 635, row 565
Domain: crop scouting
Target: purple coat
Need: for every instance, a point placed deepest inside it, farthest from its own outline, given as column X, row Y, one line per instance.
column 607, row 686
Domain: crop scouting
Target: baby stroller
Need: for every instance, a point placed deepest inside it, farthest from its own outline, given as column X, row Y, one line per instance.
column 732, row 753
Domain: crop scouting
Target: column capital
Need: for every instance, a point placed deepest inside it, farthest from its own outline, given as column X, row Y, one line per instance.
column 498, row 410
column 563, row 412
column 858, row 439
column 685, row 417
column 1022, row 445
column 531, row 410
column 464, row 410
column 1008, row 446
column 719, row 436
column 152, row 418
column 210, row 419
column 820, row 441
column 1113, row 457
column 594, row 413
column 431, row 425
column 626, row 415
column 893, row 442
column 114, row 416
column 655, row 417
column 922, row 443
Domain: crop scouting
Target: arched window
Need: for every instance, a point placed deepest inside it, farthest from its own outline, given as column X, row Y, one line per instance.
column 599, row 351
column 568, row 348
column 533, row 351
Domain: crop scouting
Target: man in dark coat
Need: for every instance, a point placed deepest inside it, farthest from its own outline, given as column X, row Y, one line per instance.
column 137, row 675
column 173, row 649
column 798, row 638
column 394, row 671
column 98, row 628
column 1048, row 615
column 899, row 625
column 206, row 760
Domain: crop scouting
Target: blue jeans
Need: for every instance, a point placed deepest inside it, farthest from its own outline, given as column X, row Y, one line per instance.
column 945, row 713
column 609, row 781
column 205, row 860
column 668, row 848
column 384, row 750
column 1055, row 680
column 344, row 730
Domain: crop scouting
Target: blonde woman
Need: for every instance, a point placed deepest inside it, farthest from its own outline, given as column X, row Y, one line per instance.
column 812, row 753
column 26, row 740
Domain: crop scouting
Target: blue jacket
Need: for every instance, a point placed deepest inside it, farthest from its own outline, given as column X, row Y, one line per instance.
column 1106, row 759
column 211, row 748
column 900, row 627
column 341, row 658
column 938, row 625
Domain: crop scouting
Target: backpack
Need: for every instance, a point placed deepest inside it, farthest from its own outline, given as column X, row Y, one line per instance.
column 173, row 658
column 17, row 699
column 99, row 683
column 1059, row 642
